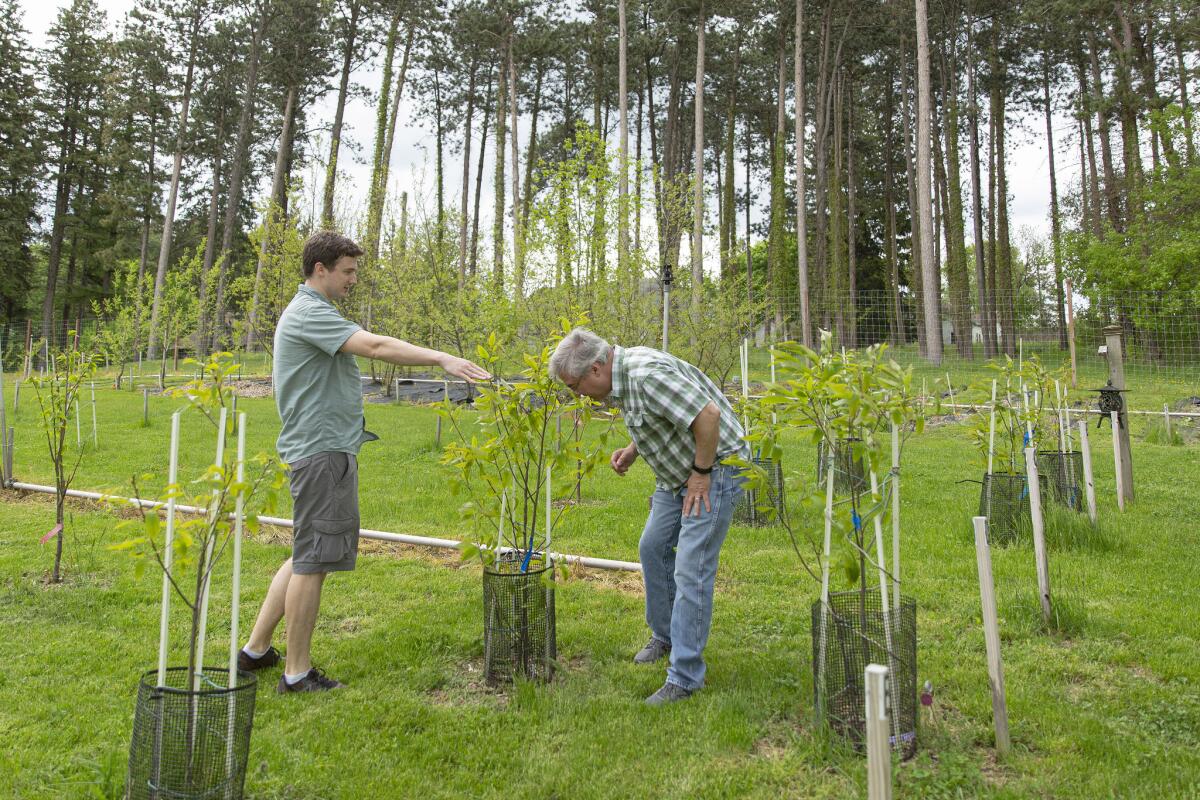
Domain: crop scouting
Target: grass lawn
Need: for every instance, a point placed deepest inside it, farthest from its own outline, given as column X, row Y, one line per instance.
column 1105, row 705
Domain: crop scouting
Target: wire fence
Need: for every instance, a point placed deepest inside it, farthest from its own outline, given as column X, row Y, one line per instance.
column 1161, row 333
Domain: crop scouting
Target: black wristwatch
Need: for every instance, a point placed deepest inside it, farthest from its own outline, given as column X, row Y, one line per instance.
column 701, row 470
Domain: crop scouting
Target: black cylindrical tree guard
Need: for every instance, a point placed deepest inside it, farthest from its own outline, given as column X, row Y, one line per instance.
column 849, row 476
column 855, row 636
column 519, row 638
column 1064, row 474
column 1004, row 500
column 746, row 511
column 190, row 744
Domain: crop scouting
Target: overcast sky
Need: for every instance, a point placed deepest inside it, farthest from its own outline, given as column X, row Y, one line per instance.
column 412, row 159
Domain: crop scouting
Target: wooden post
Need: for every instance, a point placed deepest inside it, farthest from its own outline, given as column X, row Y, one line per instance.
column 1118, row 466
column 1116, row 374
column 145, row 407
column 1089, row 484
column 1071, row 332
column 991, row 634
column 1167, row 420
column 879, row 755
column 1039, row 534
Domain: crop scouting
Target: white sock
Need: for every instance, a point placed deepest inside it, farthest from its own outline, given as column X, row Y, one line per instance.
column 253, row 653
column 292, row 680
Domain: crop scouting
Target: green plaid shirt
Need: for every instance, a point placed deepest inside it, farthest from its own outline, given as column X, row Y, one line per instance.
column 660, row 396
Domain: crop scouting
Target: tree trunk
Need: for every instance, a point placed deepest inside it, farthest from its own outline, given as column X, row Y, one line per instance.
column 851, row 222
column 728, row 196
column 278, row 188
column 1055, row 224
column 498, row 181
column 698, row 188
column 956, row 254
column 1003, row 264
column 164, row 248
column 466, row 182
column 1111, row 189
column 210, row 244
column 148, row 206
column 237, row 171
column 518, row 233
column 623, row 162
column 806, row 332
column 439, row 149
column 335, row 135
column 383, row 166
column 986, row 324
column 914, row 210
column 889, row 199
column 929, row 277
column 483, row 135
column 1093, row 181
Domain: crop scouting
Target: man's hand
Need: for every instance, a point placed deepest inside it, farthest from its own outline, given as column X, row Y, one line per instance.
column 623, row 459
column 697, row 492
column 462, row 368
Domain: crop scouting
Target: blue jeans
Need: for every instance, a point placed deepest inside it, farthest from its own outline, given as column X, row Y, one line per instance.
column 679, row 567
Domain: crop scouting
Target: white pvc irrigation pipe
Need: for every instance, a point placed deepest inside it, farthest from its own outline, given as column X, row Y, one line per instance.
column 366, row 533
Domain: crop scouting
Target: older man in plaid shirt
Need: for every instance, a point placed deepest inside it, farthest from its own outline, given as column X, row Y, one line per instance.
column 683, row 426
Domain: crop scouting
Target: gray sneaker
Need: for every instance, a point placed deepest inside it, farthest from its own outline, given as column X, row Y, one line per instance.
column 669, row 693
column 654, row 650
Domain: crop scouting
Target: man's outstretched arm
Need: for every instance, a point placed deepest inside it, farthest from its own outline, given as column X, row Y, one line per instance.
column 396, row 351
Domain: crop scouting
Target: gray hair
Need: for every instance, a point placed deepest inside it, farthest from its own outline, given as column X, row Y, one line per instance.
column 577, row 351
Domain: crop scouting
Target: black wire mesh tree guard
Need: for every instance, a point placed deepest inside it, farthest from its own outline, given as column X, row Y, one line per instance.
column 191, row 744
column 519, row 639
column 1004, row 500
column 849, row 476
column 746, row 511
column 855, row 636
column 1063, row 471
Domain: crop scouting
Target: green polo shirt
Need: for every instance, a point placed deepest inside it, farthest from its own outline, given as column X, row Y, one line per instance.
column 318, row 388
column 660, row 396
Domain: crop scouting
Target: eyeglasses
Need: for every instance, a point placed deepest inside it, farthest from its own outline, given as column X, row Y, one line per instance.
column 574, row 387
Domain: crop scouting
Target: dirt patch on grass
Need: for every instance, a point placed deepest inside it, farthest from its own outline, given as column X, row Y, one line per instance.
column 467, row 687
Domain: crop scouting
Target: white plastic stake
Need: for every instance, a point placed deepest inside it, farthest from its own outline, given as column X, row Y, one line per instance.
column 1167, row 420
column 879, row 755
column 950, row 387
column 820, row 674
column 396, row 396
column 1028, row 420
column 1089, row 484
column 895, row 516
column 992, row 429
column 95, row 432
column 78, row 431
column 1062, row 425
column 168, row 545
column 500, row 527
column 883, row 598
column 991, row 634
column 1116, row 424
column 205, row 592
column 235, row 591
column 549, row 510
column 1039, row 533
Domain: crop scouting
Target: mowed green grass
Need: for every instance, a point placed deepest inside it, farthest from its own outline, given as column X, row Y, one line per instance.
column 1105, row 705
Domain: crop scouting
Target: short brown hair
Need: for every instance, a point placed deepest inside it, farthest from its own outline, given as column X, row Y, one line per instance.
column 326, row 247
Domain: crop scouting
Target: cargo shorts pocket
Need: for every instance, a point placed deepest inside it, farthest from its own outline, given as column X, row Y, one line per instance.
column 334, row 540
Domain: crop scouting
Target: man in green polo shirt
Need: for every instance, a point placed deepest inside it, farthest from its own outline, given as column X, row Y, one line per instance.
column 318, row 392
column 683, row 426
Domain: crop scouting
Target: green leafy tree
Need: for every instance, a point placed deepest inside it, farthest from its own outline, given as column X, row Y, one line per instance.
column 500, row 458
column 57, row 392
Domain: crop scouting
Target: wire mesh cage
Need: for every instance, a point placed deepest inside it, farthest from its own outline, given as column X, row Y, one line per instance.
column 1004, row 500
column 855, row 633
column 849, row 475
column 1063, row 471
column 746, row 511
column 519, row 639
column 191, row 744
